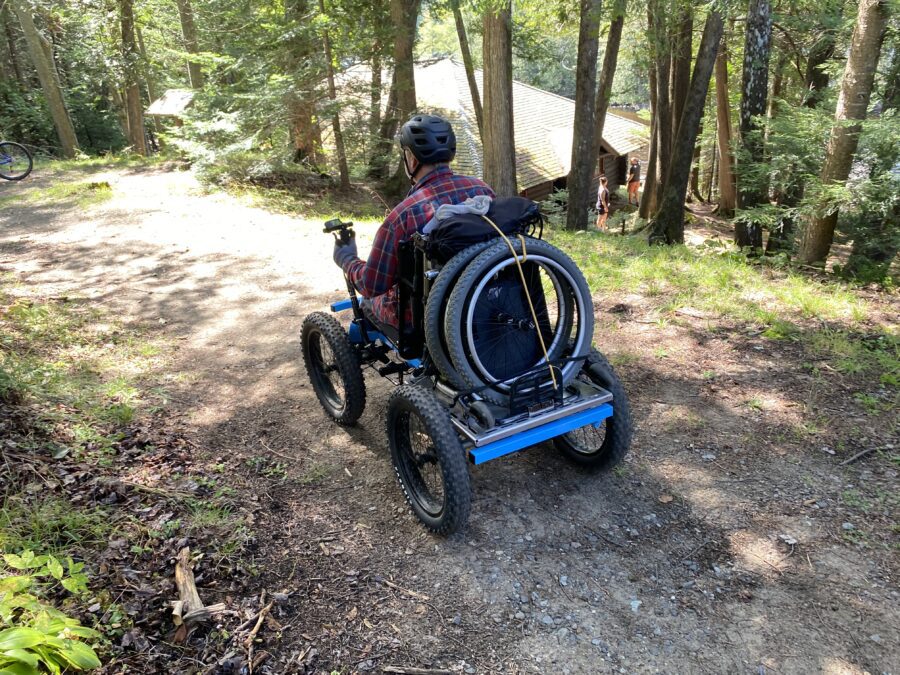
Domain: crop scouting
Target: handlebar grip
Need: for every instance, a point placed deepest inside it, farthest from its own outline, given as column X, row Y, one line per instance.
column 334, row 225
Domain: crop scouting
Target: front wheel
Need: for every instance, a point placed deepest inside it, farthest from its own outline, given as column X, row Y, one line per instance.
column 429, row 459
column 600, row 448
column 333, row 368
column 15, row 161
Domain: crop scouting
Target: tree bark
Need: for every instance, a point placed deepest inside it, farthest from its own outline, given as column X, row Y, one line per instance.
column 11, row 46
column 583, row 159
column 816, row 79
column 499, row 134
column 339, row 149
column 608, row 73
column 754, row 93
column 853, row 103
column 469, row 65
column 300, row 61
column 668, row 225
column 375, row 94
column 131, row 57
column 727, row 188
column 682, row 51
column 191, row 43
column 46, row 71
column 648, row 197
column 663, row 111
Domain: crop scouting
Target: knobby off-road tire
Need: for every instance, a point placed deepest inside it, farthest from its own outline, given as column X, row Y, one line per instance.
column 573, row 290
column 429, row 459
column 16, row 151
column 437, row 304
column 333, row 368
column 602, row 448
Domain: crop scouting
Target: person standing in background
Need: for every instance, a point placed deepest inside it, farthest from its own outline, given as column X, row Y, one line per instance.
column 602, row 204
column 634, row 180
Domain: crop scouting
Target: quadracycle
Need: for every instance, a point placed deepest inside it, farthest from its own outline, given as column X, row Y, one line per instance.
column 497, row 357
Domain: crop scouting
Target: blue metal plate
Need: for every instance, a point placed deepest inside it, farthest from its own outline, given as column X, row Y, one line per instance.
column 505, row 446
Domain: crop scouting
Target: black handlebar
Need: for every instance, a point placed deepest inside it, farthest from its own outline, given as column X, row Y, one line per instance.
column 342, row 231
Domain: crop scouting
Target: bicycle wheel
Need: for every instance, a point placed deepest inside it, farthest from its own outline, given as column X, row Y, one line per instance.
column 436, row 306
column 333, row 368
column 489, row 326
column 15, row 161
column 429, row 459
column 600, row 448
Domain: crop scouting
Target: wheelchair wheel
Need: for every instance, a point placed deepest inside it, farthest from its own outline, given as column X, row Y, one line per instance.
column 333, row 368
column 429, row 459
column 437, row 304
column 15, row 161
column 603, row 447
column 488, row 325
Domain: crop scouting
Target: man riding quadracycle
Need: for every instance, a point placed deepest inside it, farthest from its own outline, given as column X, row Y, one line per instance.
column 485, row 328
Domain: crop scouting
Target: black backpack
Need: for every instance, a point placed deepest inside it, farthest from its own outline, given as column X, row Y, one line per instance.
column 513, row 215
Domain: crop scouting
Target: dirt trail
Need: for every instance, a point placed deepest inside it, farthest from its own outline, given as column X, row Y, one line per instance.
column 673, row 564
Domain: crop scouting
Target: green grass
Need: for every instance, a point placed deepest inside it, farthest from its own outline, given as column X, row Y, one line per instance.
column 82, row 194
column 716, row 282
column 79, row 375
column 50, row 525
column 828, row 318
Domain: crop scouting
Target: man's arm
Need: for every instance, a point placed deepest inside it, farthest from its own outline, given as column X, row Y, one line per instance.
column 376, row 275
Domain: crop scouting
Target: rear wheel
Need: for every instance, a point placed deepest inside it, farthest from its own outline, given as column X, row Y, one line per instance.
column 489, row 327
column 429, row 459
column 333, row 368
column 600, row 448
column 436, row 306
column 15, row 161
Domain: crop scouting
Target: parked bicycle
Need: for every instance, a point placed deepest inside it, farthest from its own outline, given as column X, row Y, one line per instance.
column 15, row 161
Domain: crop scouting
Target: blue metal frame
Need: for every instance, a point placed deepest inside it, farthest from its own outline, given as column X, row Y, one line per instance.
column 505, row 446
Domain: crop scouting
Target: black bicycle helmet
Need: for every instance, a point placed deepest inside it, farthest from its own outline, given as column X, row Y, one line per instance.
column 430, row 139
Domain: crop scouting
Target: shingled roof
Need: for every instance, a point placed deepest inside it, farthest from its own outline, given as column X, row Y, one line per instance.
column 543, row 124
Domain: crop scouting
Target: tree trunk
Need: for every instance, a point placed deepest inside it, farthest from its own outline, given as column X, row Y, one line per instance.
column 648, row 197
column 300, row 61
column 583, row 159
column 499, row 133
column 469, row 65
column 694, row 184
column 853, row 102
column 402, row 100
column 668, row 225
column 608, row 73
column 130, row 55
column 816, row 79
column 191, row 43
column 682, row 51
column 775, row 92
column 11, row 46
column 754, row 92
column 663, row 110
column 727, row 189
column 713, row 154
column 375, row 94
column 49, row 82
column 335, row 115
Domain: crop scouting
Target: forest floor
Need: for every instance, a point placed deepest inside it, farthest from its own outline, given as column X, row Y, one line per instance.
column 742, row 535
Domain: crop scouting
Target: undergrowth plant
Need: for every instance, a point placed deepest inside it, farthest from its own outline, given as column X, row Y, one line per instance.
column 36, row 637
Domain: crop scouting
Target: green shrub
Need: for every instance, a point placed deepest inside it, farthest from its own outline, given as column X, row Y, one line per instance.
column 34, row 636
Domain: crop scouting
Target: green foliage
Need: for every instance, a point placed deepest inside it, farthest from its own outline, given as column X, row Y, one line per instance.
column 36, row 637
column 78, row 372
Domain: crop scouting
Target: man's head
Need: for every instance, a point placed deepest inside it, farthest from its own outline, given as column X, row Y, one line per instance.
column 426, row 141
column 634, row 160
column 603, row 180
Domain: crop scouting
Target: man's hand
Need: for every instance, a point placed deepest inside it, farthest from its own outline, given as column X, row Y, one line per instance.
column 344, row 253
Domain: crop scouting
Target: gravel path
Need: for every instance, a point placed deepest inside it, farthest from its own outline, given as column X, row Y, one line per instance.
column 672, row 564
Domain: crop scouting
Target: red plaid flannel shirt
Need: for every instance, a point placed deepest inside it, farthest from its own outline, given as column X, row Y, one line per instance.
column 376, row 278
